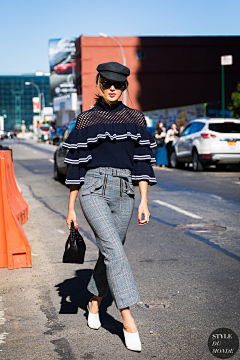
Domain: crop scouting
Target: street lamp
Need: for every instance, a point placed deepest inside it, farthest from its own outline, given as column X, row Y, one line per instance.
column 39, row 94
column 123, row 59
column 225, row 60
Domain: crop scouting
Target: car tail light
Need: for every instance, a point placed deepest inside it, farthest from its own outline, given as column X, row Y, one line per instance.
column 206, row 135
column 207, row 156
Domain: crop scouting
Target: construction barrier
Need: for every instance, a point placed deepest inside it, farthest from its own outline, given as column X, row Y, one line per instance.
column 18, row 204
column 15, row 251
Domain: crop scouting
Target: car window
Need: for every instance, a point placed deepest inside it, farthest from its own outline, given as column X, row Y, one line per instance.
column 226, row 127
column 200, row 126
column 187, row 130
column 197, row 126
column 194, row 127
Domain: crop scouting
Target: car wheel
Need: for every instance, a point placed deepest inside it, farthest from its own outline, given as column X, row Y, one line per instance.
column 57, row 176
column 174, row 162
column 197, row 165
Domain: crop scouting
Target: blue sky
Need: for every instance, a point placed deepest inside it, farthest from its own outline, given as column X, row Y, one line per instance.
column 26, row 26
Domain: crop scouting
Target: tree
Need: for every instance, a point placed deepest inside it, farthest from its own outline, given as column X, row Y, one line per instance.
column 234, row 106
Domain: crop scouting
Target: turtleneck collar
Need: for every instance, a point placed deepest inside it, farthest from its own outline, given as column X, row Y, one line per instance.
column 105, row 107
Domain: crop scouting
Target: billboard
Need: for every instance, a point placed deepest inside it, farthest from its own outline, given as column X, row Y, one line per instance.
column 62, row 66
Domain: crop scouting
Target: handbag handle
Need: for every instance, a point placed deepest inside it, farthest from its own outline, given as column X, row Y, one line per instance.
column 72, row 226
column 72, row 234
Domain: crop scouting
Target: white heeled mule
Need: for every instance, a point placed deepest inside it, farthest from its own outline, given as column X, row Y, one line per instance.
column 93, row 320
column 132, row 341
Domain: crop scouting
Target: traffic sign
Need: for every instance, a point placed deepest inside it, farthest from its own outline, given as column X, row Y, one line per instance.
column 226, row 60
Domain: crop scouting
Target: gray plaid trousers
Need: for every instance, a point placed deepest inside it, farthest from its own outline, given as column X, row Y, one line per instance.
column 107, row 201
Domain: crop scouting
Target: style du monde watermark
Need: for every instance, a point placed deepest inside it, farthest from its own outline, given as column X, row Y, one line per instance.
column 223, row 343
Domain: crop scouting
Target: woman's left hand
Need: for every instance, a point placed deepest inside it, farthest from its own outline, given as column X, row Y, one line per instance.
column 143, row 209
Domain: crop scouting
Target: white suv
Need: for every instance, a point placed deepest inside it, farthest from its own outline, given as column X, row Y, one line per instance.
column 208, row 141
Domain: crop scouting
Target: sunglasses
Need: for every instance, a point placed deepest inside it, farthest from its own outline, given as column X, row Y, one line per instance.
column 117, row 84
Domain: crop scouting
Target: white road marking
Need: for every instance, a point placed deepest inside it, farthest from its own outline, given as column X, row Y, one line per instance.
column 236, row 182
column 51, row 160
column 61, row 231
column 216, row 197
column 176, row 208
column 2, row 321
column 3, row 337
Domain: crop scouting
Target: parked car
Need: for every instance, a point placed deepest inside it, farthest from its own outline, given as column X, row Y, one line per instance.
column 11, row 134
column 57, row 136
column 208, row 141
column 3, row 135
column 60, row 168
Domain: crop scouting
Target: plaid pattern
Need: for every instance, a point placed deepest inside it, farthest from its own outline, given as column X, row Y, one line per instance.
column 107, row 201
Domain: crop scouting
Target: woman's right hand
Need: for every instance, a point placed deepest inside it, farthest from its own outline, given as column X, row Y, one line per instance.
column 71, row 217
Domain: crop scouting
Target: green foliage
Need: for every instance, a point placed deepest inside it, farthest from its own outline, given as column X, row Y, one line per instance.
column 234, row 106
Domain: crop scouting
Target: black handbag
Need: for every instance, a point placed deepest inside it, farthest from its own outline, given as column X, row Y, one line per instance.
column 160, row 142
column 75, row 247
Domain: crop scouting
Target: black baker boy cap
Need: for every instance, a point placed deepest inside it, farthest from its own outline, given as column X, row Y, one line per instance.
column 113, row 71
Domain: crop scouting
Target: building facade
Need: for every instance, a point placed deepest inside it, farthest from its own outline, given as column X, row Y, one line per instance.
column 166, row 72
column 16, row 99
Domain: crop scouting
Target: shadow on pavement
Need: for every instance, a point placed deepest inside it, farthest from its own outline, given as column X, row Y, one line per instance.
column 75, row 295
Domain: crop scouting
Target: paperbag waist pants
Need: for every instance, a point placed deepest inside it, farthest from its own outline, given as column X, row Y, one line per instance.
column 107, row 201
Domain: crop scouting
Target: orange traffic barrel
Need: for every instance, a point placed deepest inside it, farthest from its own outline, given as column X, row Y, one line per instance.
column 15, row 251
column 17, row 202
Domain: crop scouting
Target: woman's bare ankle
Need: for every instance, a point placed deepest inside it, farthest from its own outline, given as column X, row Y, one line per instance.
column 128, row 321
column 130, row 329
column 94, row 304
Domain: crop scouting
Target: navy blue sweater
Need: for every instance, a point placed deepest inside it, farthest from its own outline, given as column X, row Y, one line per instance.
column 110, row 137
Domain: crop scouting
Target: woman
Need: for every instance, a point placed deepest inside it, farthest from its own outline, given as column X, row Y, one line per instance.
column 171, row 136
column 161, row 154
column 108, row 149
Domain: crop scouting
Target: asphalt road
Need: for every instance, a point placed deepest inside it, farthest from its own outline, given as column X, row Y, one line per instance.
column 193, row 276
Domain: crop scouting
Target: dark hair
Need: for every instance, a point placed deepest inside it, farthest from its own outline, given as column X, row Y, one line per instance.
column 158, row 123
column 98, row 98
